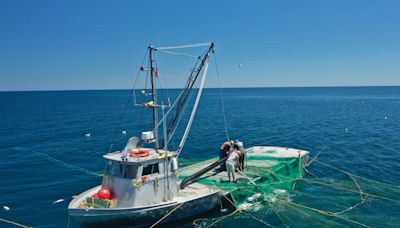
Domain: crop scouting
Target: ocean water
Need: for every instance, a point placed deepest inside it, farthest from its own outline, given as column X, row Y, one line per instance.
column 356, row 128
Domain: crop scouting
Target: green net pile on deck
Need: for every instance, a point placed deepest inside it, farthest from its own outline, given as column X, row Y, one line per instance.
column 288, row 192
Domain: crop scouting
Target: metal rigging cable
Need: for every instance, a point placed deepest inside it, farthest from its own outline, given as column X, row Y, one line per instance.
column 178, row 53
column 222, row 99
column 184, row 46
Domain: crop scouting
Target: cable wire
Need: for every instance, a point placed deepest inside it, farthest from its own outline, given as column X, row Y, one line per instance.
column 222, row 99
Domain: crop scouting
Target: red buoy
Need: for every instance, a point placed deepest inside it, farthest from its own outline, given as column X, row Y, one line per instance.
column 104, row 193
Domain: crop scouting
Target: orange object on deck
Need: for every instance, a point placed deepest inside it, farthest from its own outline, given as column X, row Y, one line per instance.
column 139, row 153
column 104, row 193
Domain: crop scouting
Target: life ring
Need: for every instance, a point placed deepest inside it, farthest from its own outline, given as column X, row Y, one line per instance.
column 139, row 153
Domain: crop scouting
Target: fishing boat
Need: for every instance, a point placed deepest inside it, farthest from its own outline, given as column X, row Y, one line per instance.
column 143, row 184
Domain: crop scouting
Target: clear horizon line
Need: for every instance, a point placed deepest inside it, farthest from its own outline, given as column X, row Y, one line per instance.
column 249, row 87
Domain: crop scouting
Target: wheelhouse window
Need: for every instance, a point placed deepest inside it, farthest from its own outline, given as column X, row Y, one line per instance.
column 130, row 171
column 117, row 169
column 150, row 169
column 113, row 169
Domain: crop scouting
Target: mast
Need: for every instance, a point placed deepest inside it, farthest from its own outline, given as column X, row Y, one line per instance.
column 180, row 103
column 154, row 95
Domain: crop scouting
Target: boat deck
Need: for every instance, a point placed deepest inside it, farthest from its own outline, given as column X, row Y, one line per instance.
column 194, row 190
column 263, row 157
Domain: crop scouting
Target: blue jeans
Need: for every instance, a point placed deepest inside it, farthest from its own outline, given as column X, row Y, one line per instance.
column 222, row 154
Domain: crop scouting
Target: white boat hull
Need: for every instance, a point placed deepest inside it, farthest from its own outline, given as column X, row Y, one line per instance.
column 145, row 216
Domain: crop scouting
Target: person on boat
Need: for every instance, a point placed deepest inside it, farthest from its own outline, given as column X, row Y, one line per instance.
column 242, row 153
column 231, row 163
column 223, row 152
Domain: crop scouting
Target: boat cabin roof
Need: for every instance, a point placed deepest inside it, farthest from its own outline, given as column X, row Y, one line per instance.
column 139, row 155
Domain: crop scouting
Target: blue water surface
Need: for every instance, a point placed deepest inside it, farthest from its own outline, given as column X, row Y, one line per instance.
column 358, row 129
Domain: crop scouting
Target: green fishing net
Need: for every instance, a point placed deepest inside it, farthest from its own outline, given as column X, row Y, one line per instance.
column 284, row 192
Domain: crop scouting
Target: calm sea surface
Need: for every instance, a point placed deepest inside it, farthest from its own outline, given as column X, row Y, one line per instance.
column 359, row 127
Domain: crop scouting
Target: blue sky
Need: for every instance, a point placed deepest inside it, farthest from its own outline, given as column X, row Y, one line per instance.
column 56, row 45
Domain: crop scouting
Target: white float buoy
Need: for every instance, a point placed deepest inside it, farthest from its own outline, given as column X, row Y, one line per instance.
column 279, row 191
column 254, row 197
column 346, row 129
column 88, row 134
column 123, row 132
column 58, row 201
column 385, row 117
column 6, row 208
column 245, row 206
